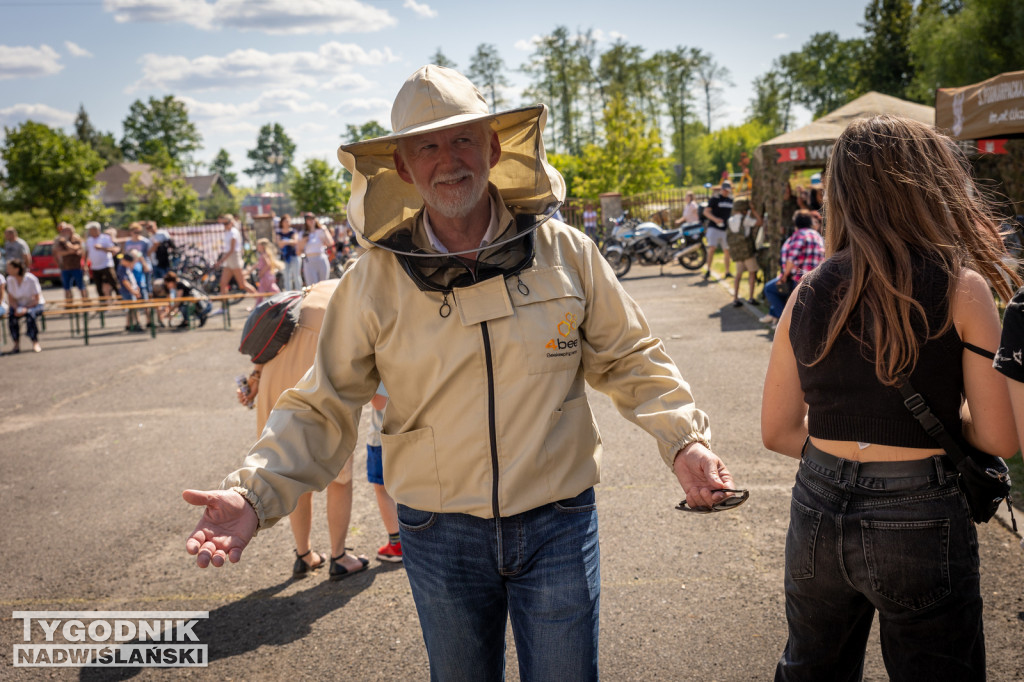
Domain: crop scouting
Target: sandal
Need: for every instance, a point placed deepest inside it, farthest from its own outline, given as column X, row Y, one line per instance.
column 339, row 572
column 301, row 569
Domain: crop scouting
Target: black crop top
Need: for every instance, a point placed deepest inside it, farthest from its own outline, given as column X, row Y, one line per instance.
column 844, row 397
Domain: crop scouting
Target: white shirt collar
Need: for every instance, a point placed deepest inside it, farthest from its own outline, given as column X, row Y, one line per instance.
column 489, row 236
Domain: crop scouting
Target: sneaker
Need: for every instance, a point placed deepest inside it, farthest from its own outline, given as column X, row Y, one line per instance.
column 737, row 303
column 707, row 274
column 727, row 275
column 389, row 552
column 767, row 319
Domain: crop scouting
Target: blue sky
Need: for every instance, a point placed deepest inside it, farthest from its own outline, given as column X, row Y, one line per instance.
column 316, row 65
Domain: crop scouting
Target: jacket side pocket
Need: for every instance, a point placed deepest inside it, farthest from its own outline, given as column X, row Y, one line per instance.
column 410, row 468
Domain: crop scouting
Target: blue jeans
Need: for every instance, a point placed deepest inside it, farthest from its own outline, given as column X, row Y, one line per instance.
column 292, row 275
column 895, row 537
column 776, row 301
column 540, row 568
column 72, row 278
column 14, row 326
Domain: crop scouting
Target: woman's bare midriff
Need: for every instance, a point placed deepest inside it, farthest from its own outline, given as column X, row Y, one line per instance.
column 873, row 453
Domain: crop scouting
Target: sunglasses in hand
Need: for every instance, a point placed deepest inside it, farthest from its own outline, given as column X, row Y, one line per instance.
column 736, row 498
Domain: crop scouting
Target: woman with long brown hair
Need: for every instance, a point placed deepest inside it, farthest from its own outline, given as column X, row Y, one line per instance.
column 877, row 520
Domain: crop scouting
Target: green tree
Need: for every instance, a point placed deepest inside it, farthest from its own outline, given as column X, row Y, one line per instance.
column 711, row 77
column 273, row 154
column 824, row 72
column 367, row 131
column 167, row 198
column 555, row 70
column 623, row 72
column 959, row 44
column 220, row 203
column 570, row 167
column 160, row 124
column 45, row 168
column 677, row 70
column 885, row 64
column 486, row 71
column 222, row 166
column 103, row 144
column 630, row 160
column 772, row 101
column 318, row 187
column 725, row 146
column 441, row 59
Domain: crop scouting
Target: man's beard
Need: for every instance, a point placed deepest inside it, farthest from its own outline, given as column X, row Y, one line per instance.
column 454, row 202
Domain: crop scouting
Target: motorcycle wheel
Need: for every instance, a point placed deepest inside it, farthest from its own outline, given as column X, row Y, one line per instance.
column 619, row 261
column 694, row 260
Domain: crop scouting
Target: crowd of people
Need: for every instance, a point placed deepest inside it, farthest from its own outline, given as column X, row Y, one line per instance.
column 138, row 267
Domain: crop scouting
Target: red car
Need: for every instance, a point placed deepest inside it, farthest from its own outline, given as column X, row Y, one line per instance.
column 44, row 265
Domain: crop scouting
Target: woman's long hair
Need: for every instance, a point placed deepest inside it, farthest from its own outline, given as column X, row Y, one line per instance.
column 895, row 187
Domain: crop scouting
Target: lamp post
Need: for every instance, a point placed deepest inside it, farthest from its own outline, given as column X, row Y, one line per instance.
column 276, row 160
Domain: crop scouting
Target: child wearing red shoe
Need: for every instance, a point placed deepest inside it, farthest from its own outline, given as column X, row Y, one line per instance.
column 392, row 550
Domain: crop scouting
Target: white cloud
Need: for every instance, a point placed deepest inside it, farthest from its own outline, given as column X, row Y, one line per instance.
column 527, row 44
column 40, row 113
column 268, row 16
column 371, row 105
column 206, row 111
column 780, row 36
column 350, row 82
column 310, row 128
column 254, row 68
column 28, row 62
column 75, row 50
column 292, row 101
column 197, row 13
column 615, row 35
column 421, row 9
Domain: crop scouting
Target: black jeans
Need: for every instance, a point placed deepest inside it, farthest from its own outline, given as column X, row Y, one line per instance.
column 892, row 537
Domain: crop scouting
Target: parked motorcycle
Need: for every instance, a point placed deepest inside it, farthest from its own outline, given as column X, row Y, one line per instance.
column 648, row 244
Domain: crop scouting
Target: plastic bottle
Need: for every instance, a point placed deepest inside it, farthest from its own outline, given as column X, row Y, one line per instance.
column 243, row 386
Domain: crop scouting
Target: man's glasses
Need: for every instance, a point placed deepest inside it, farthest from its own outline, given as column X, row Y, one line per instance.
column 738, row 498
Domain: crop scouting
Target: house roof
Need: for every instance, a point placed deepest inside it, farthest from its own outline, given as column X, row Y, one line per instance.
column 204, row 184
column 117, row 175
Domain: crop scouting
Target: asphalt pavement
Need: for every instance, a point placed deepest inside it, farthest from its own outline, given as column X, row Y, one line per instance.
column 97, row 442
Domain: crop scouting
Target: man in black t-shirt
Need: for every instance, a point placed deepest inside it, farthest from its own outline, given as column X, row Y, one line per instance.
column 717, row 212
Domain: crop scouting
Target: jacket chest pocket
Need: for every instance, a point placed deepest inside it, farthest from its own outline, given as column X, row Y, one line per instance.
column 550, row 319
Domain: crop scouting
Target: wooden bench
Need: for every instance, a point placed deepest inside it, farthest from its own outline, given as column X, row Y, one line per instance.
column 80, row 311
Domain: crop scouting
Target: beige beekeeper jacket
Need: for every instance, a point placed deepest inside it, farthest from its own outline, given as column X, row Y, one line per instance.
column 495, row 390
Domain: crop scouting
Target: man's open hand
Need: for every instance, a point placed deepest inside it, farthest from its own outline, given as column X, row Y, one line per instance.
column 227, row 525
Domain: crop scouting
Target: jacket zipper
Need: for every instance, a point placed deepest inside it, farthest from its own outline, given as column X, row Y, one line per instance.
column 493, row 431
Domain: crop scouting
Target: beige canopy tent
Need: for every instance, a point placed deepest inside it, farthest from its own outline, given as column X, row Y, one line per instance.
column 990, row 115
column 990, row 109
column 810, row 147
